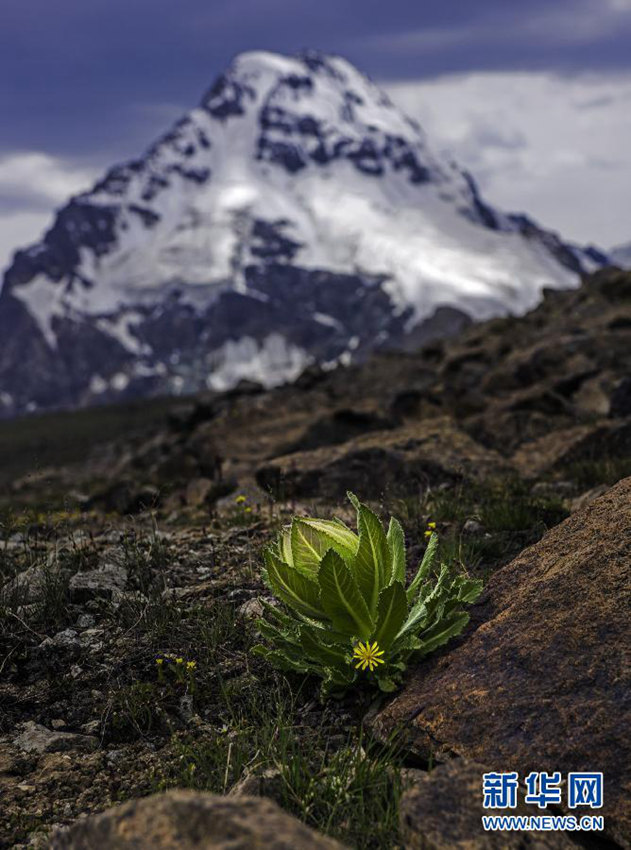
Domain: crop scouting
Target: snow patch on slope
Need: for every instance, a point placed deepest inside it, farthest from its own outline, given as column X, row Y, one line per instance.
column 272, row 362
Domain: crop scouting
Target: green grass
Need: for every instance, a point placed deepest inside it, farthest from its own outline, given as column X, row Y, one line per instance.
column 340, row 784
column 510, row 516
column 505, row 505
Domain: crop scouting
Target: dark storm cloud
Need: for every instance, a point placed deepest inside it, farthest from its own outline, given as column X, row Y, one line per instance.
column 84, row 77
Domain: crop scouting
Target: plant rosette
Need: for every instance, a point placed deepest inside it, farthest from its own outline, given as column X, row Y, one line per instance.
column 347, row 611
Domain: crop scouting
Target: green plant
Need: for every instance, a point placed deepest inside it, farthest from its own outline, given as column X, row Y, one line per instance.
column 348, row 606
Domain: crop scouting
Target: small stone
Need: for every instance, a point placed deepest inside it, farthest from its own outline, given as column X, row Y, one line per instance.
column 266, row 783
column 185, row 708
column 26, row 586
column 90, row 639
column 472, row 526
column 57, row 723
column 251, row 610
column 65, row 642
column 85, row 621
column 106, row 582
column 35, row 738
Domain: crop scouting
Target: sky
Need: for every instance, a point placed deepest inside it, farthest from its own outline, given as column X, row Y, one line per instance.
column 534, row 98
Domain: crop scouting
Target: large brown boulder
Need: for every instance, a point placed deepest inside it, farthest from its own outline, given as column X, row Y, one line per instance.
column 544, row 681
column 186, row 820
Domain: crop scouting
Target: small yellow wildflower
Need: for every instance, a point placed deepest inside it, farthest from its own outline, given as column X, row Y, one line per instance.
column 240, row 499
column 191, row 665
column 248, row 510
column 179, row 661
column 159, row 661
column 431, row 528
column 367, row 655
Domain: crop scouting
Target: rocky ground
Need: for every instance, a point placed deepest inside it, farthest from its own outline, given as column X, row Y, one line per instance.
column 131, row 581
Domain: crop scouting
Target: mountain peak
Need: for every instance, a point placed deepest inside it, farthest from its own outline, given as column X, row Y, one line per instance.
column 296, row 215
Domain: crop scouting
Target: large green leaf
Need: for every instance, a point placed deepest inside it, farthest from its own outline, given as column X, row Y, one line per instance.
column 469, row 589
column 276, row 635
column 391, row 614
column 424, row 568
column 292, row 587
column 396, row 544
column 317, row 650
column 341, row 598
column 287, row 621
column 443, row 630
column 424, row 607
column 286, row 660
column 373, row 562
column 340, row 536
column 415, row 620
column 307, row 546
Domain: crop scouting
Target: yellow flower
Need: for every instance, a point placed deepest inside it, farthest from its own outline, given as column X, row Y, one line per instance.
column 367, row 655
column 191, row 665
column 431, row 525
column 159, row 661
column 240, row 499
column 179, row 661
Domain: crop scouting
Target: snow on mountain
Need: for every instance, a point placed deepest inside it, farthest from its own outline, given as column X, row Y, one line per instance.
column 296, row 215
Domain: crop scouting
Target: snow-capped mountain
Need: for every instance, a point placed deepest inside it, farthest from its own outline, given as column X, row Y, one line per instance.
column 621, row 256
column 296, row 215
